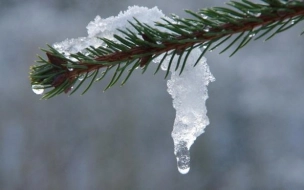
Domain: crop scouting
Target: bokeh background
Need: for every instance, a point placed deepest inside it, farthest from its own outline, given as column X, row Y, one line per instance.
column 121, row 139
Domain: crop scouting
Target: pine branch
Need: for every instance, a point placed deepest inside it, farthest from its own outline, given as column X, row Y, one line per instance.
column 207, row 28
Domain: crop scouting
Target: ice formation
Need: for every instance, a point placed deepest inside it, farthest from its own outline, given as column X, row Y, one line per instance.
column 188, row 90
column 189, row 93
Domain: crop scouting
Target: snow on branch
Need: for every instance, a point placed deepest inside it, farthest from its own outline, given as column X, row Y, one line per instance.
column 188, row 90
column 139, row 36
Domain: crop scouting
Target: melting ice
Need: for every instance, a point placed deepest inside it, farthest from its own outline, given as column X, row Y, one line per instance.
column 189, row 93
column 188, row 90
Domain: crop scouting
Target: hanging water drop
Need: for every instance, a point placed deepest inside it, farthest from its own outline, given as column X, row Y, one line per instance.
column 70, row 67
column 81, row 77
column 292, row 21
column 206, row 29
column 204, row 16
column 251, row 35
column 37, row 89
column 257, row 14
column 253, row 14
column 182, row 154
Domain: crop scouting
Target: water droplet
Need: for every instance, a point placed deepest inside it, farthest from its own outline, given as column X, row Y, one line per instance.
column 183, row 170
column 254, row 14
column 251, row 35
column 182, row 154
column 292, row 21
column 37, row 89
column 81, row 77
column 206, row 29
column 70, row 67
column 205, row 46
column 204, row 16
column 257, row 14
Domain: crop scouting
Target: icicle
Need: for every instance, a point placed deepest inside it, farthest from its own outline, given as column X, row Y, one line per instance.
column 188, row 90
column 189, row 93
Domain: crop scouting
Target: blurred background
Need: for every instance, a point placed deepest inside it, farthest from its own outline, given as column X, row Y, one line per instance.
column 121, row 139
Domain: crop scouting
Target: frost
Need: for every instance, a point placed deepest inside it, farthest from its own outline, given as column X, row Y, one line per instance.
column 188, row 90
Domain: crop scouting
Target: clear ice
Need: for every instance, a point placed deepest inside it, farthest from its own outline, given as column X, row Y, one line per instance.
column 189, row 93
column 188, row 90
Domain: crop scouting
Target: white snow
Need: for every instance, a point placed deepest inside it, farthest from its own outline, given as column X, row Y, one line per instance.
column 188, row 90
column 106, row 28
